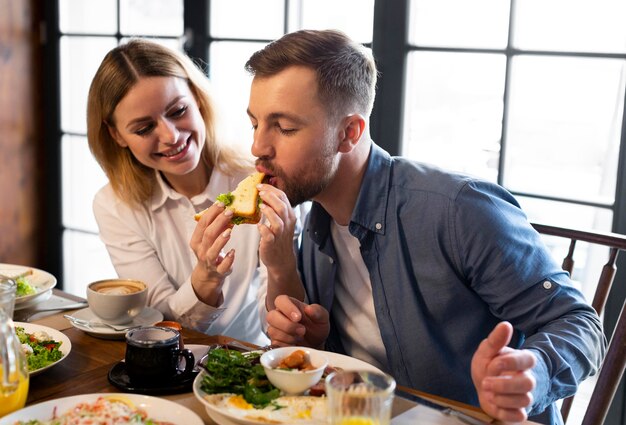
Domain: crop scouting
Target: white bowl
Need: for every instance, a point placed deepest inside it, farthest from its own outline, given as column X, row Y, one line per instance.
column 291, row 381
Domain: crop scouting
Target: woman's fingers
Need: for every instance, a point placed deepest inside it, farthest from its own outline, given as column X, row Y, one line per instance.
column 224, row 264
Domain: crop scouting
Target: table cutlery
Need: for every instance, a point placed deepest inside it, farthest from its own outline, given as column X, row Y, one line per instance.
column 25, row 315
column 93, row 324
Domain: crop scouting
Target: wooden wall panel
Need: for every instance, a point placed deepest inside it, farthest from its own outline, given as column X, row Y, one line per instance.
column 20, row 132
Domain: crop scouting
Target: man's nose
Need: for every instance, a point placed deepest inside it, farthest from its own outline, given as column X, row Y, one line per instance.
column 262, row 143
column 168, row 133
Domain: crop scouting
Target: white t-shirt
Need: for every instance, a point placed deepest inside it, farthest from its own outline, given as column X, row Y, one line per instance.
column 152, row 244
column 353, row 308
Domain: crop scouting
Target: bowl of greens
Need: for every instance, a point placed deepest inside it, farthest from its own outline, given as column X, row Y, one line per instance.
column 44, row 347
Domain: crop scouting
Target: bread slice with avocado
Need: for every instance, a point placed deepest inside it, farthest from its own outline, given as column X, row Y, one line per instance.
column 243, row 201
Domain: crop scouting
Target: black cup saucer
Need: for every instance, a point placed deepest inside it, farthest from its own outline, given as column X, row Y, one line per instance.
column 180, row 384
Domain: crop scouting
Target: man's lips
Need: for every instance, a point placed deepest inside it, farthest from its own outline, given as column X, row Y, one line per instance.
column 270, row 178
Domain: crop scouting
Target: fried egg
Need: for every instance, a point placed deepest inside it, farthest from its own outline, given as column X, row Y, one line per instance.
column 297, row 410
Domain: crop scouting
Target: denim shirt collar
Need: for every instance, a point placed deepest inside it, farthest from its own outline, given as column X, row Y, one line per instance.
column 370, row 210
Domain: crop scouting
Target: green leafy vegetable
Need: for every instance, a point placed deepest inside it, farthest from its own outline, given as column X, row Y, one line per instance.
column 225, row 198
column 23, row 287
column 237, row 220
column 230, row 371
column 45, row 352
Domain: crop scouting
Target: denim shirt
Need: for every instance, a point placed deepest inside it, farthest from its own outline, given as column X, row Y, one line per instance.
column 449, row 257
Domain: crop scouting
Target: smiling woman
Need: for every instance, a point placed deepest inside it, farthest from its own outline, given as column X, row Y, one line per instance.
column 151, row 126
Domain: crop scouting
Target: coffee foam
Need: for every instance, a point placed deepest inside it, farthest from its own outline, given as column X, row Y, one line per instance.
column 117, row 290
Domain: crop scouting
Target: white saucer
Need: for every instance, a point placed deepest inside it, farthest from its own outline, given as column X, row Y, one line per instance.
column 148, row 316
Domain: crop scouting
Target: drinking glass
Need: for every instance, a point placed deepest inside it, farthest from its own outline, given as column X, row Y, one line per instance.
column 7, row 295
column 13, row 368
column 359, row 397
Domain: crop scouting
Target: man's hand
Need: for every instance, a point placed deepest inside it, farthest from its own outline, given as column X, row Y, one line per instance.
column 276, row 248
column 296, row 323
column 502, row 376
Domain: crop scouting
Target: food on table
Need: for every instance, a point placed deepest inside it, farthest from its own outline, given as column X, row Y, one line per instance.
column 293, row 409
column 243, row 201
column 24, row 287
column 109, row 410
column 319, row 389
column 298, row 360
column 40, row 349
column 235, row 373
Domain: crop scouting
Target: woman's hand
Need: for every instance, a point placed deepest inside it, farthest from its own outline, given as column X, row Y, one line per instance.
column 207, row 242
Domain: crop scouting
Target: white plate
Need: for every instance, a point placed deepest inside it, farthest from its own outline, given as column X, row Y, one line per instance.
column 42, row 282
column 39, row 298
column 223, row 417
column 156, row 408
column 65, row 347
column 148, row 316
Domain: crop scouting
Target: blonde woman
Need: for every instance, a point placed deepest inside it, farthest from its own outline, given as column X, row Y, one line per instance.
column 151, row 127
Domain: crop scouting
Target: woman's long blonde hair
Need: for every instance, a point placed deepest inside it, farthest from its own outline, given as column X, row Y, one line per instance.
column 119, row 71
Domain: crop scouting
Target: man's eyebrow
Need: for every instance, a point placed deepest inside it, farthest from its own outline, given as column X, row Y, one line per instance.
column 278, row 115
column 148, row 118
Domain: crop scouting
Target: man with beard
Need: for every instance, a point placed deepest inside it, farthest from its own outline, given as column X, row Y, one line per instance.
column 434, row 277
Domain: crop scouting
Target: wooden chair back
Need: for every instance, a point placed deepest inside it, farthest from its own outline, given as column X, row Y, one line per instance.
column 614, row 362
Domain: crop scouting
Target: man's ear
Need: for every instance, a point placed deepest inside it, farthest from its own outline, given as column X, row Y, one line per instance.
column 116, row 135
column 352, row 130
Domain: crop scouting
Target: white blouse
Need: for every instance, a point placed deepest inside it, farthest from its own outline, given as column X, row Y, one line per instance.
column 151, row 244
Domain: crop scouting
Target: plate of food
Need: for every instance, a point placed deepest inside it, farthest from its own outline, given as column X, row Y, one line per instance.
column 44, row 347
column 228, row 402
column 33, row 285
column 115, row 407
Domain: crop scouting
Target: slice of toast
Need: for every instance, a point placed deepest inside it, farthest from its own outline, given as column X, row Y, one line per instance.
column 246, row 198
column 243, row 201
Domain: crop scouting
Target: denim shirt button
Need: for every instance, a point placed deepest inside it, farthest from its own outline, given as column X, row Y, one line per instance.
column 547, row 284
column 379, row 226
column 331, row 261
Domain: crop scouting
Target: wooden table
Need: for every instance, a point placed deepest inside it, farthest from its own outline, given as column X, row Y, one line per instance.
column 86, row 369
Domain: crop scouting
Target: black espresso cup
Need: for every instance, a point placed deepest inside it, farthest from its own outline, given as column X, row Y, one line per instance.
column 153, row 355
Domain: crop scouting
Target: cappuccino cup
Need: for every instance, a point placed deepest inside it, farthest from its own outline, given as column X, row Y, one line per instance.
column 117, row 301
column 153, row 355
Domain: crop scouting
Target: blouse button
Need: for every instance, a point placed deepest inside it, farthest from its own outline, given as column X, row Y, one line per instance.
column 547, row 284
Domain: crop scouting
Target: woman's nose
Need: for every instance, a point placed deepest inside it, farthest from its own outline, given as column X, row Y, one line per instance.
column 168, row 133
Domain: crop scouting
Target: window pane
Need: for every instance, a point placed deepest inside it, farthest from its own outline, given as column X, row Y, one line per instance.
column 80, row 58
column 247, row 19
column 588, row 260
column 231, row 88
column 459, row 23
column 152, row 17
column 564, row 126
column 453, row 111
column 81, row 179
column 354, row 17
column 85, row 260
column 571, row 25
column 91, row 17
